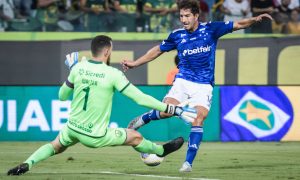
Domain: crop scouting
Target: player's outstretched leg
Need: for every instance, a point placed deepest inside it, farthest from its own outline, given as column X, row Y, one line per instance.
column 140, row 144
column 193, row 146
column 147, row 146
column 172, row 146
column 143, row 119
column 42, row 153
column 18, row 170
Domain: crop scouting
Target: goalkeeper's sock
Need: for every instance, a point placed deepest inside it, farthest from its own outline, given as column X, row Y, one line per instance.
column 41, row 154
column 194, row 143
column 151, row 115
column 147, row 146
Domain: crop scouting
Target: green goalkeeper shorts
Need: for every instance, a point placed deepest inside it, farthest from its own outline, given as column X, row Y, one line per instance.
column 113, row 137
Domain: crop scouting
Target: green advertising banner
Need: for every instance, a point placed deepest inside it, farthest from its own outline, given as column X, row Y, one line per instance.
column 34, row 113
column 31, row 113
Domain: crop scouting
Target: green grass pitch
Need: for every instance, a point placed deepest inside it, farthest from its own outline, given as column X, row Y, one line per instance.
column 257, row 160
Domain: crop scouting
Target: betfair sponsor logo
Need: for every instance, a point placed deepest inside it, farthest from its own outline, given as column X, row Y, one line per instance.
column 201, row 49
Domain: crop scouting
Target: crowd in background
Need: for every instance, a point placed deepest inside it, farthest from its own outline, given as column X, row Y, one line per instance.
column 140, row 15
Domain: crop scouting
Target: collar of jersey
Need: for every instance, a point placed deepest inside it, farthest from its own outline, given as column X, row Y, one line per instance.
column 95, row 62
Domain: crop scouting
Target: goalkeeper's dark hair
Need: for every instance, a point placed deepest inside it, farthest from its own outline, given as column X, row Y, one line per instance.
column 100, row 42
column 193, row 5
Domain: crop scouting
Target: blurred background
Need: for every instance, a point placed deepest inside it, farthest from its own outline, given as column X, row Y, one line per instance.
column 157, row 16
column 256, row 97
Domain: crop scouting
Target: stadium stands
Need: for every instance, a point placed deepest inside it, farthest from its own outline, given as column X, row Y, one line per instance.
column 135, row 15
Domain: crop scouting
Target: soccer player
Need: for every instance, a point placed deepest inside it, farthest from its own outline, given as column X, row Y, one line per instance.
column 196, row 46
column 93, row 84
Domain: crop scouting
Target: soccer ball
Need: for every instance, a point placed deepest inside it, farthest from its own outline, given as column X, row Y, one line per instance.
column 151, row 159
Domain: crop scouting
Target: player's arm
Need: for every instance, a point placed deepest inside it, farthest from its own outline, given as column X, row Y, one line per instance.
column 65, row 91
column 185, row 113
column 166, row 45
column 244, row 23
column 67, row 88
column 149, row 56
column 143, row 99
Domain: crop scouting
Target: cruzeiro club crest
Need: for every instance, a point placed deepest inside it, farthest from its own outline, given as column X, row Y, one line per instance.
column 258, row 113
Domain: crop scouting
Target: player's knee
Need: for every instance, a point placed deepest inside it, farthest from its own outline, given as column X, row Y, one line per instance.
column 201, row 116
column 138, row 138
column 199, row 120
column 133, row 137
column 58, row 148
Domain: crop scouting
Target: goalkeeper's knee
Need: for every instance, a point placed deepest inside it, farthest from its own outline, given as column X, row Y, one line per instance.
column 134, row 138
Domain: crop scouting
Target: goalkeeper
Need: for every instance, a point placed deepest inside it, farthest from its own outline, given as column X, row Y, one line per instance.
column 93, row 83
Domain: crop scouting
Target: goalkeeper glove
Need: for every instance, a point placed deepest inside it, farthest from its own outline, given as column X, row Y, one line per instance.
column 185, row 113
column 72, row 59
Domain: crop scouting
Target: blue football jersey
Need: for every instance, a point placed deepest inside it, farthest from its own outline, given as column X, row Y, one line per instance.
column 196, row 50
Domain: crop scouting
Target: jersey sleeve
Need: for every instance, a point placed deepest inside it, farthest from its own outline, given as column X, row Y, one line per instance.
column 71, row 77
column 67, row 88
column 221, row 28
column 120, row 81
column 143, row 99
column 64, row 92
column 168, row 44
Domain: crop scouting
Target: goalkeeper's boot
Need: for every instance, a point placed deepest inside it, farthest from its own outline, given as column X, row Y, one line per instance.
column 186, row 167
column 19, row 170
column 172, row 146
column 136, row 123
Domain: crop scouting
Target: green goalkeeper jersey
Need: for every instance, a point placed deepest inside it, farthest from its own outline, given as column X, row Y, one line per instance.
column 94, row 84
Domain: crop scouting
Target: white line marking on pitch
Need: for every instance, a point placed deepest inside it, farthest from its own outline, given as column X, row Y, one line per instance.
column 129, row 174
column 152, row 176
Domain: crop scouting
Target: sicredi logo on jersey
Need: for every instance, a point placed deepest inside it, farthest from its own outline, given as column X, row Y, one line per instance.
column 197, row 50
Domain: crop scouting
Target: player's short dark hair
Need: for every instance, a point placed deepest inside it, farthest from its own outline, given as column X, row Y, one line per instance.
column 193, row 5
column 100, row 42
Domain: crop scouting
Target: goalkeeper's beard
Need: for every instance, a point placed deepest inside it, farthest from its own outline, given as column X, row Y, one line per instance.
column 108, row 60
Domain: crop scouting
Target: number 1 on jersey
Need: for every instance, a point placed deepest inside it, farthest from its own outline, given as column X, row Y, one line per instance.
column 86, row 97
